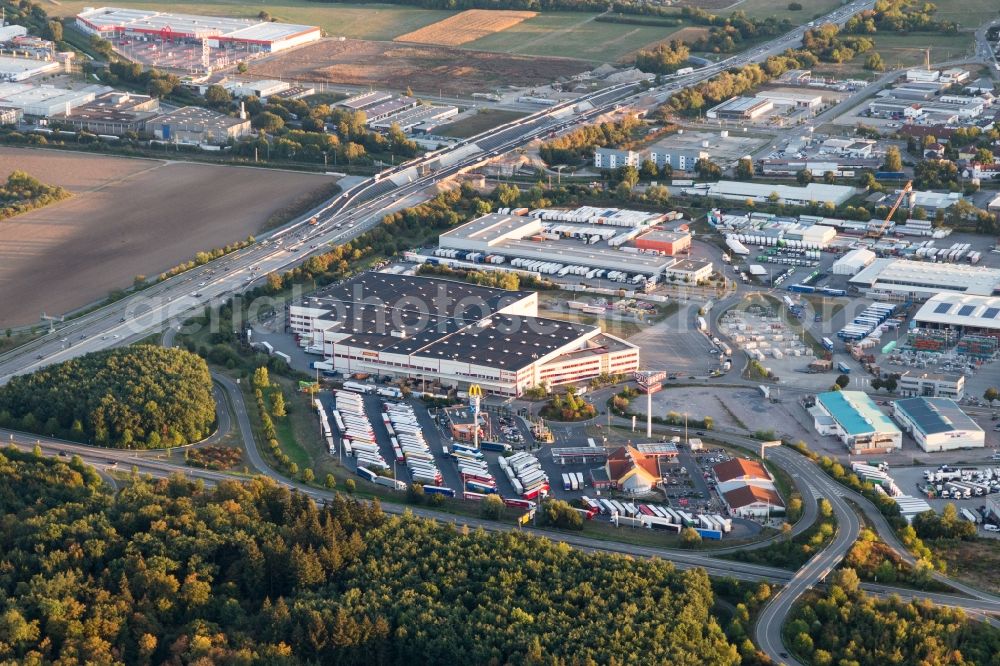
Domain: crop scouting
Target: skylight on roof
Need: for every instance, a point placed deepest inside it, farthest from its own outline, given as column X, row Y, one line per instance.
column 942, row 308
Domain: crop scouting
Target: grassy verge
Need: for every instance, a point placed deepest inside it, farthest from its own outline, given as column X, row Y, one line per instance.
column 12, row 339
column 484, row 119
column 974, row 562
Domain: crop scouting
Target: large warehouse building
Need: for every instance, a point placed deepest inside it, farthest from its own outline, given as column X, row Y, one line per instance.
column 455, row 333
column 580, row 241
column 857, row 421
column 45, row 100
column 256, row 35
column 965, row 313
column 740, row 108
column 937, row 424
column 22, row 69
column 820, row 193
column 904, row 279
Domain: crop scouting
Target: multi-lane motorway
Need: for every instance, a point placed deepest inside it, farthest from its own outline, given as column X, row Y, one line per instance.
column 345, row 217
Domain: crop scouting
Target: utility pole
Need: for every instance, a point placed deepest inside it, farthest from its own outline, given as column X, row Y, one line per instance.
column 649, row 414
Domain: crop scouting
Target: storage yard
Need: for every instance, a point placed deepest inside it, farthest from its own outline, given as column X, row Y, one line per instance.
column 128, row 217
column 428, row 69
column 390, row 442
column 973, row 489
column 764, row 334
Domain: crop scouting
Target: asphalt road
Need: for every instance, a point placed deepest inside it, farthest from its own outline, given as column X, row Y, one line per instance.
column 343, row 218
column 109, row 460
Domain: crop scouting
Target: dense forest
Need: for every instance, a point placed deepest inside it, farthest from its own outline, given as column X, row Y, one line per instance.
column 168, row 571
column 846, row 627
column 134, row 397
column 22, row 192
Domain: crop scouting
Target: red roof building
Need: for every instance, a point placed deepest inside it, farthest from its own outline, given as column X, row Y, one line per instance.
column 753, row 502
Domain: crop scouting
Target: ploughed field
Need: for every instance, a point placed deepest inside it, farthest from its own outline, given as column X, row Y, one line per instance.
column 127, row 217
column 423, row 68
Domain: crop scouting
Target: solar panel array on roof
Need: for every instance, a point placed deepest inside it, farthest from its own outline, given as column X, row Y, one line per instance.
column 966, row 310
column 936, row 415
column 942, row 308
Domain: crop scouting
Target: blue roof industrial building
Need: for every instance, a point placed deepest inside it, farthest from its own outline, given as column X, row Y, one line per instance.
column 857, row 421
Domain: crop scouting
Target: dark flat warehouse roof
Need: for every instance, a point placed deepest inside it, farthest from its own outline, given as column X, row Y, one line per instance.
column 505, row 342
column 441, row 319
column 936, row 415
column 435, row 296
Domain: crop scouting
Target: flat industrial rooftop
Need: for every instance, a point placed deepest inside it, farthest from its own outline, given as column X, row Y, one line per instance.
column 440, row 319
column 141, row 20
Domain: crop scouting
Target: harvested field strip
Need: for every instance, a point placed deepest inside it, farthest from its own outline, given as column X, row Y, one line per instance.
column 466, row 27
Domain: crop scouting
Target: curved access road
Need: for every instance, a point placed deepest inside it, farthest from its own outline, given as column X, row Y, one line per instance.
column 767, row 631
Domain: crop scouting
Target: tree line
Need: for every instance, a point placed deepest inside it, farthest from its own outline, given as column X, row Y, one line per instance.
column 576, row 147
column 828, row 44
column 499, row 279
column 692, row 100
column 142, row 396
column 168, row 571
column 727, row 34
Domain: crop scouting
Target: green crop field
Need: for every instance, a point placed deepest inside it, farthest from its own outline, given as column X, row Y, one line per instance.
column 902, row 51
column 482, row 121
column 378, row 22
column 967, row 13
column 572, row 35
column 779, row 9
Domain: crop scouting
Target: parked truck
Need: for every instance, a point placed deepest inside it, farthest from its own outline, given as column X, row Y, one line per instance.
column 501, row 447
column 395, row 484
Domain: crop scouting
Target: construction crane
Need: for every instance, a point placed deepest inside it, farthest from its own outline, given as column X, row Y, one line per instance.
column 878, row 233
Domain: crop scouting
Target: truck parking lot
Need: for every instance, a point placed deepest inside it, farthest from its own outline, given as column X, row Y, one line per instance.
column 399, row 441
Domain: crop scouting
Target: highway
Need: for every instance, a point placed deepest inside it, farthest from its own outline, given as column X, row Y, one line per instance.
column 985, row 52
column 345, row 217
